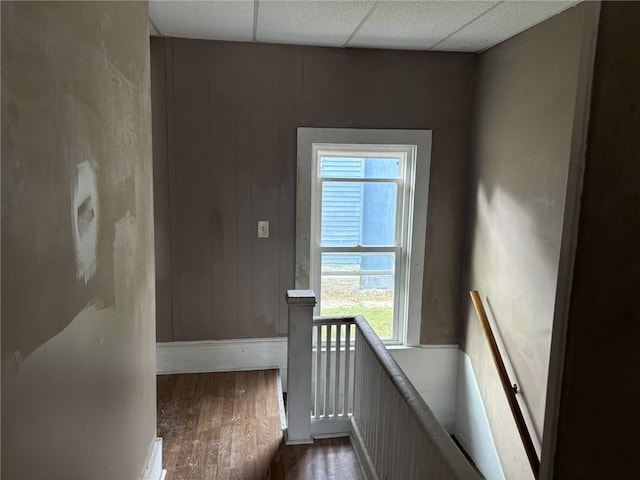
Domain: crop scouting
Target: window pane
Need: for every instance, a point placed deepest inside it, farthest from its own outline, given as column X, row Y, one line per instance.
column 359, row 283
column 358, row 213
column 360, row 167
column 341, row 222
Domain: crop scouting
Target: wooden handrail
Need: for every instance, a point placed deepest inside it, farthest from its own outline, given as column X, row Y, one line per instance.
column 507, row 386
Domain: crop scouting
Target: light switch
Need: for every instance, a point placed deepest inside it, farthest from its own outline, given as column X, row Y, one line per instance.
column 263, row 229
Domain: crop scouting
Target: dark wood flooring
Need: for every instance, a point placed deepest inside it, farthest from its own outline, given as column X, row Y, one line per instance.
column 227, row 426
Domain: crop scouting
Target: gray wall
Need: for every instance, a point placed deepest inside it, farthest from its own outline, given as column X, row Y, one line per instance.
column 78, row 356
column 228, row 159
column 598, row 419
column 526, row 95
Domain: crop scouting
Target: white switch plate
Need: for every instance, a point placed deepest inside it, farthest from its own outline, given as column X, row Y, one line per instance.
column 263, row 229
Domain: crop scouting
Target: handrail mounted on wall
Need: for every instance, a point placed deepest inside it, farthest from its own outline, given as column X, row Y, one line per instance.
column 507, row 386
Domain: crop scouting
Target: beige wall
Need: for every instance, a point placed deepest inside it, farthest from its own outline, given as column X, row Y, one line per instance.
column 78, row 357
column 524, row 124
column 597, row 418
column 228, row 160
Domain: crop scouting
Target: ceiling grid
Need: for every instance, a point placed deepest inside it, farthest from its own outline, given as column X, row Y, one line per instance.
column 362, row 22
column 460, row 26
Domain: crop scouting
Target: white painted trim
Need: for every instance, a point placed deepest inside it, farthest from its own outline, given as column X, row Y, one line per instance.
column 223, row 356
column 300, row 318
column 472, row 427
column 281, row 411
column 154, row 470
column 331, row 428
column 307, row 137
column 366, row 464
column 303, row 441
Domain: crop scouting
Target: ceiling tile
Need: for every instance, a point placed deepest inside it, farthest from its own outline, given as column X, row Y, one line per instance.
column 209, row 20
column 504, row 21
column 308, row 22
column 416, row 25
column 469, row 26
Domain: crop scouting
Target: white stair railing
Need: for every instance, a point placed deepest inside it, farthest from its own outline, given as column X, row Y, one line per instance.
column 395, row 433
column 337, row 386
column 332, row 376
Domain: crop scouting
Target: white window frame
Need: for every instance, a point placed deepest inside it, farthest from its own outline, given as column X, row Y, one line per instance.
column 407, row 156
column 313, row 140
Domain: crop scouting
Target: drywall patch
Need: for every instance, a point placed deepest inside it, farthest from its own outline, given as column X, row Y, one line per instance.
column 85, row 215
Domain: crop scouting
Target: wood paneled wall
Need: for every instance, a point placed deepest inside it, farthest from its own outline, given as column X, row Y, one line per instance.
column 225, row 119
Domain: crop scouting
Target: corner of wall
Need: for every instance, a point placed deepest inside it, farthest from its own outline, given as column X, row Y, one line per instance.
column 569, row 236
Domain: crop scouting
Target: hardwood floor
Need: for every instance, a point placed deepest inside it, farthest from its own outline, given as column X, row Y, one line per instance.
column 227, row 426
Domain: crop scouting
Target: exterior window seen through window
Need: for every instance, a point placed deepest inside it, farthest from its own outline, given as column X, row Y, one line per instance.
column 359, row 255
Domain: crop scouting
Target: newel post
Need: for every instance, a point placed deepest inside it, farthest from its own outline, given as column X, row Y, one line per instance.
column 301, row 303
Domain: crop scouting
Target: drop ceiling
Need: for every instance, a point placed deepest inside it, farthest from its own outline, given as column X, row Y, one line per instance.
column 462, row 26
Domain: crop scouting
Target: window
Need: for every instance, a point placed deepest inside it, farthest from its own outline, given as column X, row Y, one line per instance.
column 359, row 230
column 360, row 238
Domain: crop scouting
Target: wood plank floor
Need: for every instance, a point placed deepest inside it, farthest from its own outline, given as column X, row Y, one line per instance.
column 227, row 426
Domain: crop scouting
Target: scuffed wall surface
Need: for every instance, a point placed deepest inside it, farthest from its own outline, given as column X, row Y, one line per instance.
column 231, row 115
column 598, row 417
column 523, row 125
column 78, row 314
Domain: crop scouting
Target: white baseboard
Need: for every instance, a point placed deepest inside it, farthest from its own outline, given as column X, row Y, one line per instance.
column 223, row 356
column 281, row 409
column 153, row 470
